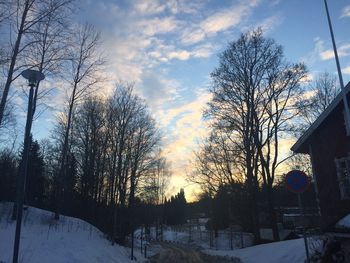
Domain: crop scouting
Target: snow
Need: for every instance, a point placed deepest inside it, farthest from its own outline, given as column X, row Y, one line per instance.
column 43, row 239
column 152, row 248
column 199, row 238
column 344, row 222
column 267, row 233
column 291, row 251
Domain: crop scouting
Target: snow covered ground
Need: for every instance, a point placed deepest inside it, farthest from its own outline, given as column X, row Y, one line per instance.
column 201, row 238
column 68, row 240
column 344, row 222
column 291, row 251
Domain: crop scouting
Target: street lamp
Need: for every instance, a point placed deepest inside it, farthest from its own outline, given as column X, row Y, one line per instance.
column 33, row 77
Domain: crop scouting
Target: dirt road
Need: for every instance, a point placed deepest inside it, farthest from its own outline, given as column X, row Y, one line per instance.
column 172, row 253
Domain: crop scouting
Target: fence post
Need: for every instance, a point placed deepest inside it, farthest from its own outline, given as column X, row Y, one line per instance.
column 141, row 238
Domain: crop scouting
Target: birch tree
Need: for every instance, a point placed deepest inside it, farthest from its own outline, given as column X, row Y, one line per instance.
column 24, row 16
column 83, row 67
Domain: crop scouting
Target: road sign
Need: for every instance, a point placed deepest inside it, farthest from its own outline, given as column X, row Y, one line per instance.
column 297, row 181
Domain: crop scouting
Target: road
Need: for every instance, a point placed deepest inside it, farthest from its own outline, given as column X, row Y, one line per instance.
column 172, row 253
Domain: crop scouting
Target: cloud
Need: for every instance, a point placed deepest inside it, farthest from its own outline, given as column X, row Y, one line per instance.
column 158, row 90
column 274, row 2
column 203, row 51
column 319, row 52
column 155, row 7
column 347, row 70
column 186, row 129
column 343, row 50
column 151, row 27
column 165, row 53
column 268, row 24
column 345, row 12
column 219, row 21
column 314, row 56
column 149, row 7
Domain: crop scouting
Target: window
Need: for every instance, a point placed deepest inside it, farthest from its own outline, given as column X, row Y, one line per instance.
column 343, row 174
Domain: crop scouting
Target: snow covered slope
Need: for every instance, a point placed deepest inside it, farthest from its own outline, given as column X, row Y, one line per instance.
column 291, row 251
column 44, row 239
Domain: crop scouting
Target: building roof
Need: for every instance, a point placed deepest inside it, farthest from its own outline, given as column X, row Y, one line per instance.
column 297, row 147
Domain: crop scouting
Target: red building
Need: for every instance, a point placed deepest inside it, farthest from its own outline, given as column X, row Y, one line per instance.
column 328, row 145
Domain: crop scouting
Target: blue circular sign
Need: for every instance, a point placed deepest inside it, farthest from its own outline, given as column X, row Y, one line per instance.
column 297, row 181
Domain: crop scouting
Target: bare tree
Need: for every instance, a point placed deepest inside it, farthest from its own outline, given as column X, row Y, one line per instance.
column 163, row 175
column 322, row 91
column 132, row 138
column 217, row 163
column 25, row 14
column 236, row 94
column 83, row 64
column 4, row 15
column 89, row 147
column 253, row 91
column 49, row 40
column 155, row 181
column 275, row 112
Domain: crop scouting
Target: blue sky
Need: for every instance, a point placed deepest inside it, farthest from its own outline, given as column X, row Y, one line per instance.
column 168, row 48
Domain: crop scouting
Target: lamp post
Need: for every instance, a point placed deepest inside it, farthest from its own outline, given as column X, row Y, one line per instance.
column 33, row 77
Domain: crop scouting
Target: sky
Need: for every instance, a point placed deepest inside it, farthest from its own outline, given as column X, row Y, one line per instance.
column 169, row 48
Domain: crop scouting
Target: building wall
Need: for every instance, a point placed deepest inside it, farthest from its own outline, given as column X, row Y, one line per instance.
column 329, row 142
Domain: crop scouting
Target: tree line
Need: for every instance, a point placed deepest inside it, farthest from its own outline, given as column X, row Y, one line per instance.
column 103, row 158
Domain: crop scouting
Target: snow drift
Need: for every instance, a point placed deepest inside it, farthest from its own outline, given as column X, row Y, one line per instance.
column 43, row 239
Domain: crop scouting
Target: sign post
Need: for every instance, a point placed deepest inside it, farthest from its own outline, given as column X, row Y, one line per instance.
column 298, row 182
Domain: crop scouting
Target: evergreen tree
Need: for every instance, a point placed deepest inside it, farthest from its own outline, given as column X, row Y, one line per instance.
column 175, row 209
column 8, row 172
column 221, row 208
column 35, row 181
column 70, row 181
column 231, row 207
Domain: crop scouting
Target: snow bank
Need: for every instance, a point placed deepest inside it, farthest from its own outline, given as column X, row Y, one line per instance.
column 202, row 239
column 291, row 251
column 43, row 239
column 344, row 222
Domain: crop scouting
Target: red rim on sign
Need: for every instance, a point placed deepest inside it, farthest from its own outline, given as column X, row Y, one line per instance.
column 297, row 181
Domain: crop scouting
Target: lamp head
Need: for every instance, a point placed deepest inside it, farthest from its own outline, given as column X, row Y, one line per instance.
column 33, row 76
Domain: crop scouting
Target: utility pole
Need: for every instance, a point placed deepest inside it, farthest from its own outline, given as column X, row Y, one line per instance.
column 341, row 82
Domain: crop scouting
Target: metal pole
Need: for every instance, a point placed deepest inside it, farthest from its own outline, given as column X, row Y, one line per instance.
column 141, row 238
column 341, row 82
column 303, row 225
column 23, row 174
column 132, row 241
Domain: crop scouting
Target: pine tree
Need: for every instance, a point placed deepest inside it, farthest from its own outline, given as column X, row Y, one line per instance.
column 35, row 181
column 8, row 172
column 175, row 209
column 70, row 181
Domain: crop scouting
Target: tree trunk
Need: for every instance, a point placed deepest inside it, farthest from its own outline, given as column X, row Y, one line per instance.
column 252, row 187
column 272, row 213
column 61, row 175
column 13, row 62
